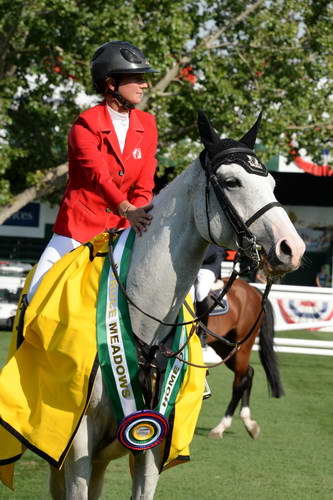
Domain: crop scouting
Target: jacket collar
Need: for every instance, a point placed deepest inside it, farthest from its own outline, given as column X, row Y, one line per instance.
column 106, row 122
column 134, row 134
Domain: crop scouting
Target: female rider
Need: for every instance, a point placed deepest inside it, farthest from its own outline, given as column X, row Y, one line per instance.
column 111, row 157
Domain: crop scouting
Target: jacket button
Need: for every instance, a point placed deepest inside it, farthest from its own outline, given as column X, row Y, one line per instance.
column 108, row 210
column 121, row 173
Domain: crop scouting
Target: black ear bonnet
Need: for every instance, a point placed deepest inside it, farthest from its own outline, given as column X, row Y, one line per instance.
column 225, row 151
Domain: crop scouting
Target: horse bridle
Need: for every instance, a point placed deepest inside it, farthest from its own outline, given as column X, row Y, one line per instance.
column 247, row 249
column 246, row 240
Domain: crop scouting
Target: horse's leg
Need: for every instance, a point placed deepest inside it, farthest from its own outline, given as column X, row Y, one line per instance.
column 240, row 384
column 245, row 413
column 57, row 483
column 97, row 480
column 217, row 432
column 145, row 472
column 78, row 463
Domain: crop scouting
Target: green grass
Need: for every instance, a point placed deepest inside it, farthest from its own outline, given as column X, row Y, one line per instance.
column 292, row 459
column 306, row 334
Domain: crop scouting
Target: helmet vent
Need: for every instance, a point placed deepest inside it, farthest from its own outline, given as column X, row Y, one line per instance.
column 130, row 56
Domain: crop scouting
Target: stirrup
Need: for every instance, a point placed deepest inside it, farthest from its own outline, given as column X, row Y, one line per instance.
column 207, row 392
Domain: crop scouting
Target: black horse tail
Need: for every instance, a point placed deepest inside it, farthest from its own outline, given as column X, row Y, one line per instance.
column 266, row 352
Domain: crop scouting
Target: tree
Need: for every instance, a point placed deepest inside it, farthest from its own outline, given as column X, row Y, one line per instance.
column 228, row 57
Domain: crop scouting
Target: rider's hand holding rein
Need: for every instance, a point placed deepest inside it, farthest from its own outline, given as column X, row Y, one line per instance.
column 139, row 218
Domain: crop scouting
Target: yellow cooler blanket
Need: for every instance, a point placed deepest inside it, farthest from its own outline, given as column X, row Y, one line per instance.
column 48, row 378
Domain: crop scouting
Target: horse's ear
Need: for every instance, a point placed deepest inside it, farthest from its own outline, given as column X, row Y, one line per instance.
column 250, row 137
column 207, row 133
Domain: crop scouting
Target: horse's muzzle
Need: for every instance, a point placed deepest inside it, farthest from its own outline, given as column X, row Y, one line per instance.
column 283, row 257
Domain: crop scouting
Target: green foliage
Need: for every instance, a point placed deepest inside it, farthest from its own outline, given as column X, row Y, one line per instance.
column 278, row 58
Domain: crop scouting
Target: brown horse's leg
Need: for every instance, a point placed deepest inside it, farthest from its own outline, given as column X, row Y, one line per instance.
column 241, row 383
column 245, row 413
column 247, row 391
column 237, row 325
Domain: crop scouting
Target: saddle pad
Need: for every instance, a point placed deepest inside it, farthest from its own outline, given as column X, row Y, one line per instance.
column 218, row 310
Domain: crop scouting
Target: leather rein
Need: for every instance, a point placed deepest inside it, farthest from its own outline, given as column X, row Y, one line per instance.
column 247, row 250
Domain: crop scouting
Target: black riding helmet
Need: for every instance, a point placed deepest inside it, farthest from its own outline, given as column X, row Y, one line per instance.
column 117, row 58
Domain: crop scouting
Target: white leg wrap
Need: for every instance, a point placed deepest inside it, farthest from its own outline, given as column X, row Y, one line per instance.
column 251, row 425
column 245, row 413
column 217, row 432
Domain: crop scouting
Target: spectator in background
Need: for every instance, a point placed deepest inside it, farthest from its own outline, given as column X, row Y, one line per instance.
column 261, row 277
column 323, row 278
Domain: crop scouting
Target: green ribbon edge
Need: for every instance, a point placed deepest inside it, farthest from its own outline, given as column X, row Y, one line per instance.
column 175, row 390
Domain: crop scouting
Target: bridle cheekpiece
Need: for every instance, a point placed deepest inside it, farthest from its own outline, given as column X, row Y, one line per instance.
column 246, row 240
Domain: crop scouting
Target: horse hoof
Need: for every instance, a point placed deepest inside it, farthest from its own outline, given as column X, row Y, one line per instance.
column 254, row 431
column 213, row 434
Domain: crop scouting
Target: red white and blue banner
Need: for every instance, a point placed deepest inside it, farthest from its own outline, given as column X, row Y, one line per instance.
column 301, row 307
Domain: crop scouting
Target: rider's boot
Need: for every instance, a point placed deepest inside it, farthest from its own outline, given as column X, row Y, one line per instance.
column 202, row 309
column 209, row 355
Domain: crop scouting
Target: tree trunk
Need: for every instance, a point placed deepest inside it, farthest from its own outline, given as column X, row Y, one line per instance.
column 52, row 180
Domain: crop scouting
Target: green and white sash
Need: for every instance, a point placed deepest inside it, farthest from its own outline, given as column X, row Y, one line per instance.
column 118, row 358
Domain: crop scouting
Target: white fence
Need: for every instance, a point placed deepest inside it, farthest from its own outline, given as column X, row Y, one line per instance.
column 301, row 346
column 299, row 308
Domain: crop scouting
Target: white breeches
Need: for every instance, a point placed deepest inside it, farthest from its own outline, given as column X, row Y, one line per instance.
column 203, row 284
column 57, row 247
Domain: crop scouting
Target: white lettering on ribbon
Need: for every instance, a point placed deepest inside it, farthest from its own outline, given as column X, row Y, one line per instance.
column 114, row 339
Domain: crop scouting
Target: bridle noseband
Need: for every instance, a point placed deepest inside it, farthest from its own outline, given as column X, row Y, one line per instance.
column 246, row 240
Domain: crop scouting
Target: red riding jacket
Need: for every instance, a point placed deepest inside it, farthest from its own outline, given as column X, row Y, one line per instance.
column 101, row 177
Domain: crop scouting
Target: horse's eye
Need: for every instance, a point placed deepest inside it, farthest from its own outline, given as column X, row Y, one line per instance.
column 232, row 182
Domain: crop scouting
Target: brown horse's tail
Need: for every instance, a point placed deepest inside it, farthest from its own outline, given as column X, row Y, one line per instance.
column 267, row 355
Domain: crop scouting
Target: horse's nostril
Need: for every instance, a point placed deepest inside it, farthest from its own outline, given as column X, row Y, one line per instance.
column 285, row 248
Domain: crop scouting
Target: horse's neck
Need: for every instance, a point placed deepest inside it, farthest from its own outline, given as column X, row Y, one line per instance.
column 166, row 259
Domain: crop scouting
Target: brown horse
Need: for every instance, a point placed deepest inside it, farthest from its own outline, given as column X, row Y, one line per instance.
column 244, row 308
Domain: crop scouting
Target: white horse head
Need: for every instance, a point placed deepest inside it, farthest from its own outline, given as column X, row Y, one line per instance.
column 244, row 182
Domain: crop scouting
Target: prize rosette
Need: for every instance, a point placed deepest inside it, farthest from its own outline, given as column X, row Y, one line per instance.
column 142, row 430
